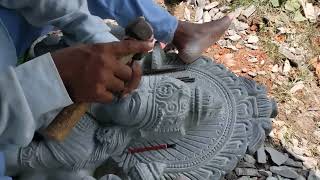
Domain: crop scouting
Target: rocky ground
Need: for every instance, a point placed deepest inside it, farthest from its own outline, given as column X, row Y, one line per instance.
column 277, row 43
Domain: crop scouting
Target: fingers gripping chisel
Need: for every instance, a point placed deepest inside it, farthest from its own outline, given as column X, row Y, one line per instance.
column 63, row 123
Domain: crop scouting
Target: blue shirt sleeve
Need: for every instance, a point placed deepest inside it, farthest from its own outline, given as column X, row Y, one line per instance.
column 2, row 168
column 72, row 17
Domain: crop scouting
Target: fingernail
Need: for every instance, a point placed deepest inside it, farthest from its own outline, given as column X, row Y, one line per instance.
column 125, row 95
column 151, row 45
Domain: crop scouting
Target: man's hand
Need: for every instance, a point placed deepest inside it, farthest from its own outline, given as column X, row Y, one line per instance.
column 93, row 73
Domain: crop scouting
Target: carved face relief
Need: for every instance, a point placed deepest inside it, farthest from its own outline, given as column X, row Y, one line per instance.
column 171, row 105
column 164, row 106
column 161, row 104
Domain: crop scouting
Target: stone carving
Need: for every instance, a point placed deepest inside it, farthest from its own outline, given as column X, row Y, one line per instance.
column 193, row 120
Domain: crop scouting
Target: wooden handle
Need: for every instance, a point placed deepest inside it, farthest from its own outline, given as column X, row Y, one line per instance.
column 62, row 125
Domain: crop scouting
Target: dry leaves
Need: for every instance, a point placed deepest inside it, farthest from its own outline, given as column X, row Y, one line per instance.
column 315, row 62
column 281, row 38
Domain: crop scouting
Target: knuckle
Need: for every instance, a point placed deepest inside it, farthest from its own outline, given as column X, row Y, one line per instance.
column 97, row 48
column 97, row 90
column 108, row 97
column 111, row 63
column 100, row 62
column 129, row 44
column 87, row 54
column 119, row 86
column 101, row 76
column 128, row 71
column 100, row 94
column 114, row 45
column 114, row 67
column 126, row 42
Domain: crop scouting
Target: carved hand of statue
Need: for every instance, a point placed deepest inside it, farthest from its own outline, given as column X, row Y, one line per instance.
column 87, row 146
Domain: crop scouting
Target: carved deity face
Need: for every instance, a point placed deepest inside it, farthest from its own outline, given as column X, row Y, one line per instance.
column 161, row 105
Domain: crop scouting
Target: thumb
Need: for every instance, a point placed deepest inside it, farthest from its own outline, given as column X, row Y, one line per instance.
column 136, row 78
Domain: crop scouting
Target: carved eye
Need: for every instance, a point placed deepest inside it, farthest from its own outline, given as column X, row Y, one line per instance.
column 172, row 107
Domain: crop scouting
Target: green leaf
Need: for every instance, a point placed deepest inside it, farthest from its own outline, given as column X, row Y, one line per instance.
column 298, row 17
column 292, row 5
column 275, row 3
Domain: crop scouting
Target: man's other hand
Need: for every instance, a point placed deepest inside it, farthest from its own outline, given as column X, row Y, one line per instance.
column 94, row 73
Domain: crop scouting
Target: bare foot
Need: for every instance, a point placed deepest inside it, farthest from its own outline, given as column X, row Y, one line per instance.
column 192, row 39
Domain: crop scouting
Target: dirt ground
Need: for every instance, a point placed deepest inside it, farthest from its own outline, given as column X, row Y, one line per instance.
column 297, row 92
